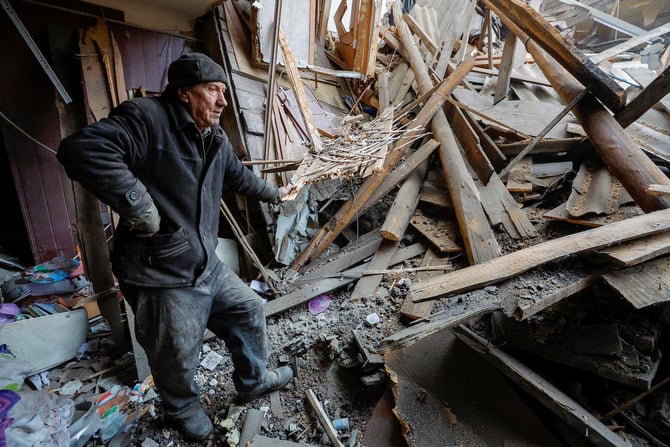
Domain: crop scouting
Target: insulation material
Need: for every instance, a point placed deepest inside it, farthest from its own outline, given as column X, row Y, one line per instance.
column 360, row 150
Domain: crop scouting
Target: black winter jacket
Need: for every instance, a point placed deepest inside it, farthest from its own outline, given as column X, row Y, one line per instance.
column 151, row 149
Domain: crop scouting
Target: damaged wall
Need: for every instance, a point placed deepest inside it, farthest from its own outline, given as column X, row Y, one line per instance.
column 30, row 101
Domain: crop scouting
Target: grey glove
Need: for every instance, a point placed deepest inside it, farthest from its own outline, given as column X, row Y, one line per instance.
column 144, row 222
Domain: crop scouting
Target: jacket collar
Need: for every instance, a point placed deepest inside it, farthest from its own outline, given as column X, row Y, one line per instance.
column 180, row 118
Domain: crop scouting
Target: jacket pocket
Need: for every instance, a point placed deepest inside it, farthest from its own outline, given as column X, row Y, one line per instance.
column 164, row 248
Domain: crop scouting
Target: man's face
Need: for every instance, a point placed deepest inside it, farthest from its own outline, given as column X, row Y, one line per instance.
column 205, row 102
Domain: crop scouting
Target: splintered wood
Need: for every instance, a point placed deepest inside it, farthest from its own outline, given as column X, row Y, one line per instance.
column 360, row 150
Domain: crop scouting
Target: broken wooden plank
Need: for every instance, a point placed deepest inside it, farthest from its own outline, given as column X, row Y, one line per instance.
column 440, row 232
column 544, row 391
column 327, row 234
column 505, row 70
column 299, row 90
column 638, row 251
column 409, row 336
column 501, row 208
column 643, row 285
column 409, row 308
column 659, row 190
column 518, row 16
column 479, row 240
column 403, row 206
column 353, row 253
column 525, row 309
column 367, row 285
column 509, row 265
column 645, row 100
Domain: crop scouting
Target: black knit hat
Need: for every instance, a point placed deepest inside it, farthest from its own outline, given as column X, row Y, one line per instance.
column 194, row 68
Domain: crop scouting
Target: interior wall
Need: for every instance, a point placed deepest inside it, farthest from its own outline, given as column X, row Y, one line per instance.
column 176, row 16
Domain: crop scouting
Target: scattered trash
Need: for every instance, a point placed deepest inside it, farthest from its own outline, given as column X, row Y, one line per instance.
column 372, row 319
column 341, row 424
column 8, row 312
column 140, row 390
column 211, row 360
column 71, row 387
column 39, row 380
column 85, row 423
column 319, row 304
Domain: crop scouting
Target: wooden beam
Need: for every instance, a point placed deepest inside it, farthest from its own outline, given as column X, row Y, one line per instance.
column 659, row 190
column 536, row 29
column 479, row 239
column 423, row 37
column 399, row 174
column 409, row 336
column 343, row 217
column 392, row 231
column 544, row 391
column 623, row 157
column 505, row 69
column 403, row 206
column 301, row 97
column 507, row 266
column 323, row 418
column 469, row 140
column 645, row 100
column 367, row 285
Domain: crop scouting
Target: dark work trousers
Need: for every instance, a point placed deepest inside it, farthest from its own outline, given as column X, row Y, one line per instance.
column 170, row 325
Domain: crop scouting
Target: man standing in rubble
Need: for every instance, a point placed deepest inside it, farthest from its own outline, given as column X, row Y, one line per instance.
column 161, row 163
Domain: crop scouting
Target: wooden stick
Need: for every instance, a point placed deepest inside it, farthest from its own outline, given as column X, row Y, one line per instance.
column 634, row 400
column 644, row 101
column 323, row 418
column 299, row 90
column 543, row 132
column 239, row 234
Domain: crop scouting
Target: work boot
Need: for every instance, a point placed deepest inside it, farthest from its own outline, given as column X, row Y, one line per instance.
column 274, row 380
column 196, row 427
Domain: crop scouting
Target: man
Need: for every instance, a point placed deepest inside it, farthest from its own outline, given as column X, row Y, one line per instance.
column 161, row 164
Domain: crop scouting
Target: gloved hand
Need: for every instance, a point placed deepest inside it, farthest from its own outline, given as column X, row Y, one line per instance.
column 281, row 193
column 144, row 222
